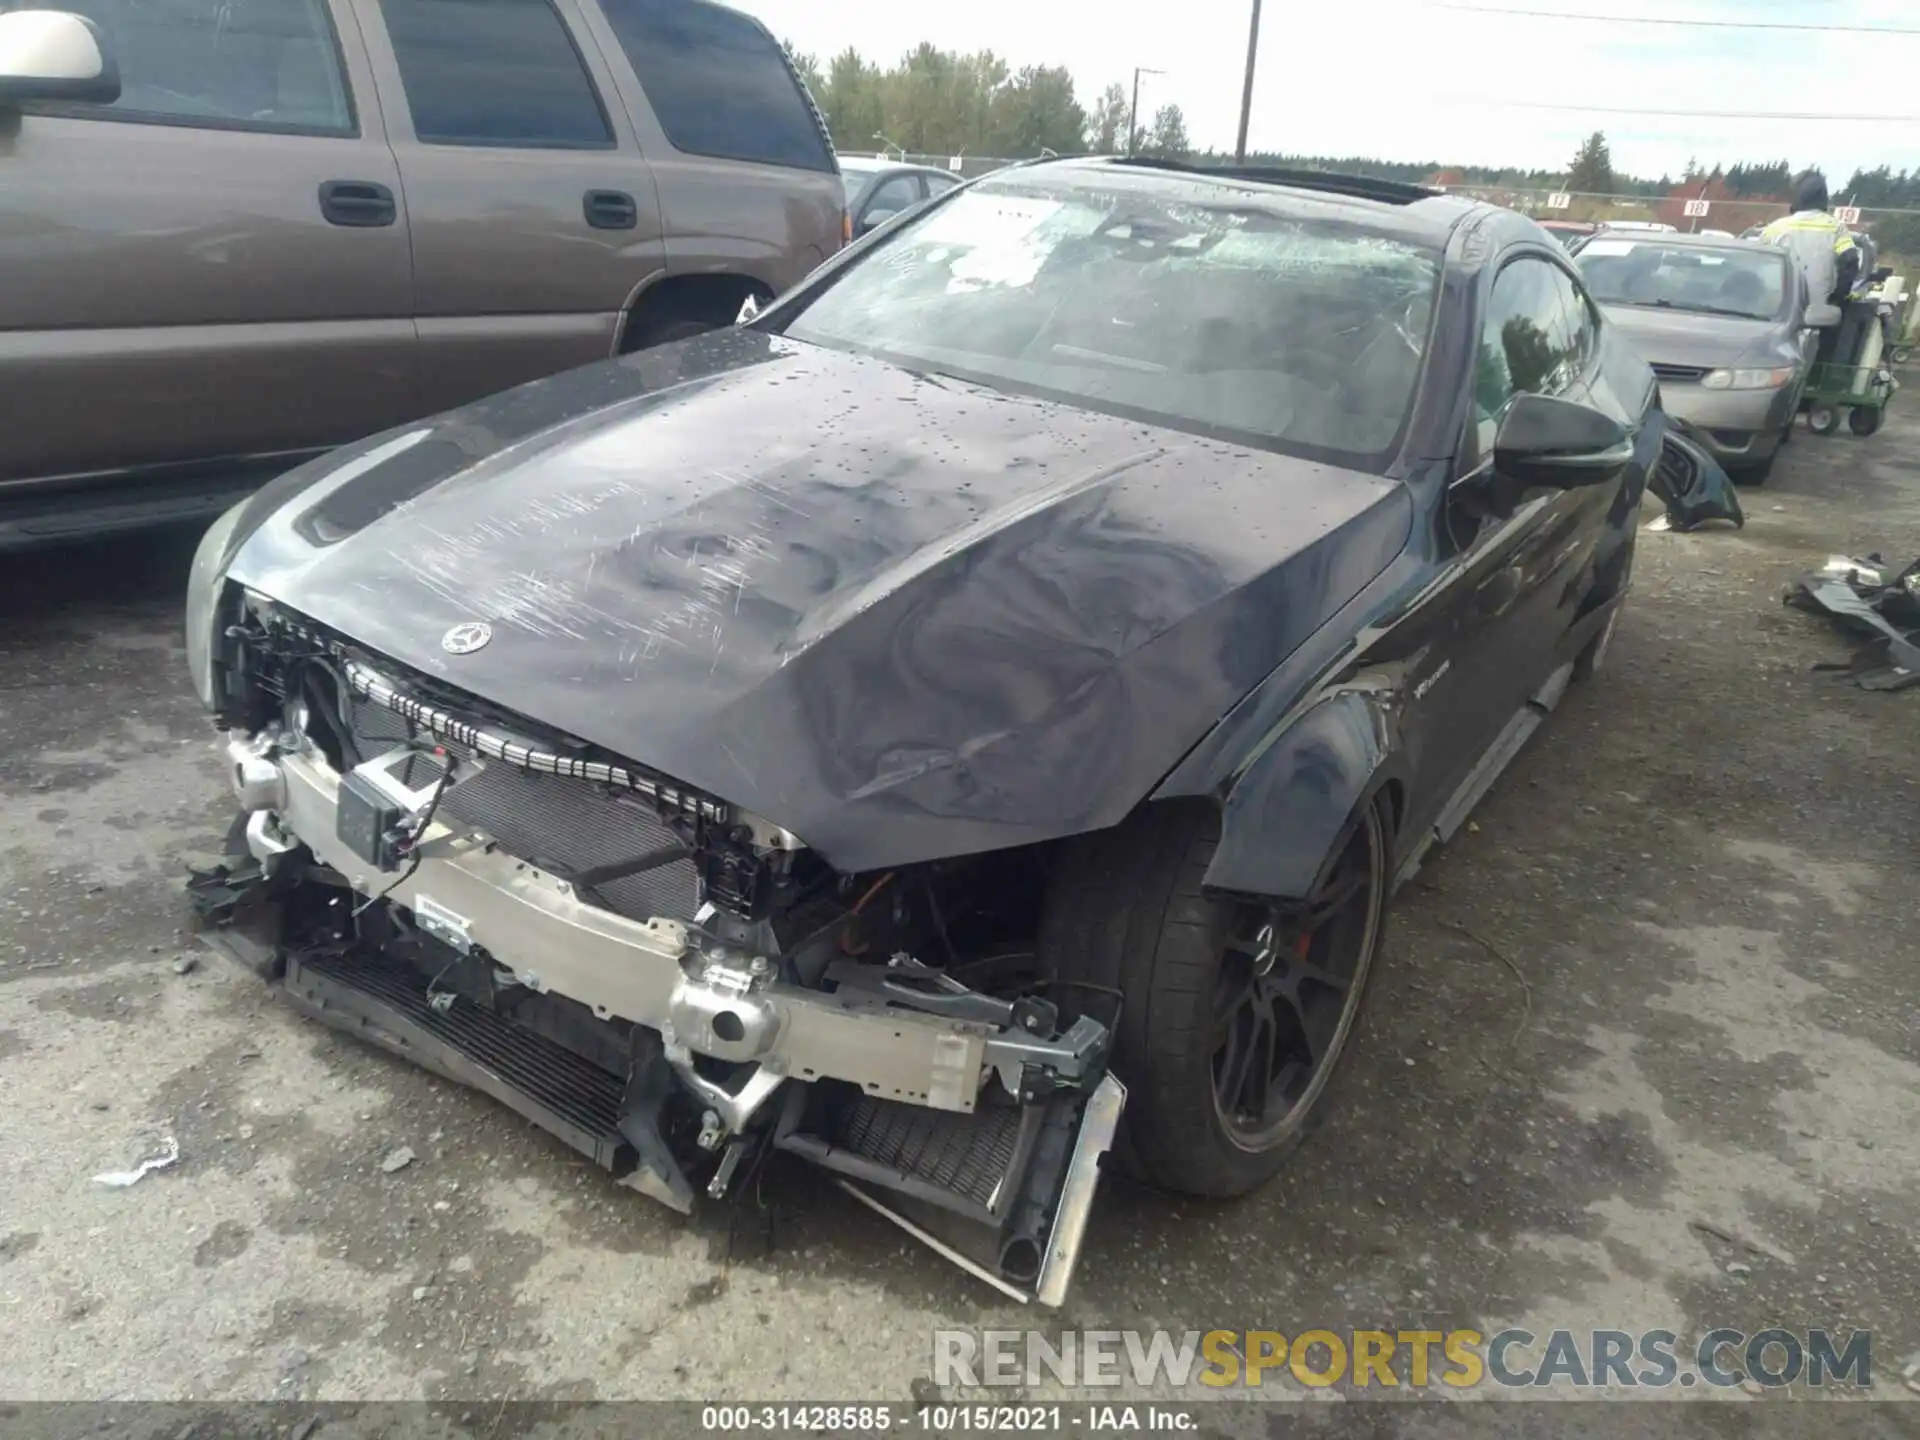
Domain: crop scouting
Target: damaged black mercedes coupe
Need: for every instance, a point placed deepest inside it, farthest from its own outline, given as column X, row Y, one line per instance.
column 998, row 685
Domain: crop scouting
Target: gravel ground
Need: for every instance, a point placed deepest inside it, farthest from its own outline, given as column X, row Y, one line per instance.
column 1660, row 996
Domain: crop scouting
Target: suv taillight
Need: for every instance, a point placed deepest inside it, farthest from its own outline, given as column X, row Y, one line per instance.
column 846, row 227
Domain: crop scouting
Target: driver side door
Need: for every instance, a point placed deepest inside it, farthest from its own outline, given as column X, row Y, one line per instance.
column 1536, row 335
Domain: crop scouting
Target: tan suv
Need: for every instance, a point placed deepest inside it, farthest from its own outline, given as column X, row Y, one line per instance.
column 237, row 232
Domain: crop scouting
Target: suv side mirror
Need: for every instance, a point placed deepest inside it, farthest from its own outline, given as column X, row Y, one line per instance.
column 1558, row 444
column 52, row 55
column 1822, row 317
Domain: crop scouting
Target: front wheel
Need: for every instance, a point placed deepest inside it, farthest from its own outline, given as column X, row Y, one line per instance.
column 1864, row 422
column 1236, row 1013
column 1823, row 419
column 1902, row 354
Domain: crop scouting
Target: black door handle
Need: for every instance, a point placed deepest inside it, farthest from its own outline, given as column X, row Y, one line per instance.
column 358, row 203
column 610, row 210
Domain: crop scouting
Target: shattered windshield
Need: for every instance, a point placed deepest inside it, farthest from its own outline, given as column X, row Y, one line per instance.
column 1220, row 313
column 1751, row 284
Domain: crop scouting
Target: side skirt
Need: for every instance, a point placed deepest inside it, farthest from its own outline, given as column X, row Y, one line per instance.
column 1511, row 740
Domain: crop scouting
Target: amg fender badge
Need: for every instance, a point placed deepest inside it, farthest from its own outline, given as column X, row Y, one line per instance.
column 1420, row 690
column 467, row 638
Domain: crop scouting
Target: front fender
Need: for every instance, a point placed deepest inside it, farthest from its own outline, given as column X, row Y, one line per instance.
column 1285, row 813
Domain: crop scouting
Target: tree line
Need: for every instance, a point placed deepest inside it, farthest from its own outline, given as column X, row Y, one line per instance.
column 944, row 103
column 940, row 102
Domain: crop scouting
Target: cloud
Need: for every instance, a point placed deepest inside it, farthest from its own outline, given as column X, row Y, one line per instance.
column 1406, row 79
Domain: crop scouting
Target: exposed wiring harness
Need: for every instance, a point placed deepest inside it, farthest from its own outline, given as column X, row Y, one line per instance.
column 411, row 845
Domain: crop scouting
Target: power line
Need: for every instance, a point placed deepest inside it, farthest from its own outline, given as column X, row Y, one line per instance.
column 1681, row 114
column 1674, row 20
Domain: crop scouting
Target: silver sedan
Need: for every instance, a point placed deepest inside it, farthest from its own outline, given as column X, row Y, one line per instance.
column 1723, row 323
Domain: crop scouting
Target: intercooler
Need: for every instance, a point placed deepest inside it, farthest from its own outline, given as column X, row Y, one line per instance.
column 568, row 826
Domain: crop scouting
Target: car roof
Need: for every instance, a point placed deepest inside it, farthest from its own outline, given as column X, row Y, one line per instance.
column 867, row 165
column 1413, row 212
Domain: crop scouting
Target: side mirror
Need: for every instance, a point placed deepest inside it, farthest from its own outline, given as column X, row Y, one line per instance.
column 52, row 55
column 1822, row 317
column 1558, row 444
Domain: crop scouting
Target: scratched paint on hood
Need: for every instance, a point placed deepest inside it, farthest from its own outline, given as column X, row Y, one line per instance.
column 901, row 615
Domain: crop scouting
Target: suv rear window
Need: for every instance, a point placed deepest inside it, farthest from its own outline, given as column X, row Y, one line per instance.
column 719, row 83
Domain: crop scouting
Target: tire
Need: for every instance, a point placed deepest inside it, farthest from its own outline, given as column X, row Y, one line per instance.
column 1823, row 419
column 1864, row 422
column 1902, row 354
column 1753, row 476
column 666, row 331
column 1126, row 911
column 664, row 315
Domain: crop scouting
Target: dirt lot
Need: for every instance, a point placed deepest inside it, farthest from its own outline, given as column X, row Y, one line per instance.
column 1665, row 992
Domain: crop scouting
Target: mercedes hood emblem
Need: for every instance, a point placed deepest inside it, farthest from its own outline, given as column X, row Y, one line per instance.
column 467, row 638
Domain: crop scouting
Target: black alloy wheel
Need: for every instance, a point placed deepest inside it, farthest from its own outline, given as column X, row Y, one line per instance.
column 1287, row 993
column 1236, row 1014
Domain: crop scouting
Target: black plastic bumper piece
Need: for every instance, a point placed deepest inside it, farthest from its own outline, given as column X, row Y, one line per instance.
column 963, row 1163
column 388, row 1005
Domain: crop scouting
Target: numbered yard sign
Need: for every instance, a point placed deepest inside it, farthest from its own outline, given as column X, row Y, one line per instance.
column 1848, row 214
column 1559, row 200
column 1696, row 208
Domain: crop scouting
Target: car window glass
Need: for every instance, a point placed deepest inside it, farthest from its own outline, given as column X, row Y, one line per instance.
column 1744, row 281
column 853, row 175
column 719, row 83
column 939, row 184
column 1526, row 341
column 494, row 72
column 1582, row 334
column 1261, row 320
column 256, row 64
column 891, row 198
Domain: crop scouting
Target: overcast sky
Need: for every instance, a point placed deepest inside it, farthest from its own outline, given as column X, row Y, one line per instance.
column 1421, row 79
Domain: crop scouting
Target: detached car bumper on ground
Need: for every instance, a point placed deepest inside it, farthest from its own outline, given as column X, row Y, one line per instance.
column 967, row 719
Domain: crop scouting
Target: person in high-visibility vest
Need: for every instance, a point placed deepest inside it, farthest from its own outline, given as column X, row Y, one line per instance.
column 1825, row 250
column 1827, row 254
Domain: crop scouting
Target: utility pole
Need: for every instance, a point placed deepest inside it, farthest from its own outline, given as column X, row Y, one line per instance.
column 1246, row 94
column 1133, row 110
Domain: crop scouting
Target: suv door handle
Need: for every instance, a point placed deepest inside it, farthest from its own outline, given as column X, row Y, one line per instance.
column 357, row 203
column 610, row 210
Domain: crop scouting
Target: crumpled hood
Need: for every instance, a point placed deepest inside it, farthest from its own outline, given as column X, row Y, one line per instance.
column 902, row 616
